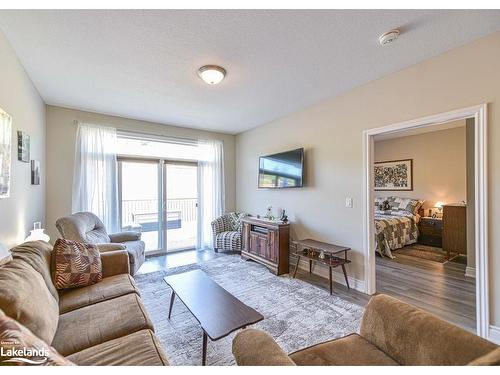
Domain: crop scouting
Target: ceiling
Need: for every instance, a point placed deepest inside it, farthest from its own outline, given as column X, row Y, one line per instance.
column 142, row 64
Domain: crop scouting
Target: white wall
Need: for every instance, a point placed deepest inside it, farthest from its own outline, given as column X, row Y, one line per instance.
column 20, row 99
column 331, row 132
column 61, row 135
column 439, row 164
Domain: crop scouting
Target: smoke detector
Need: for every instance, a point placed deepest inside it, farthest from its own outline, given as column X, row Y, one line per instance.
column 388, row 37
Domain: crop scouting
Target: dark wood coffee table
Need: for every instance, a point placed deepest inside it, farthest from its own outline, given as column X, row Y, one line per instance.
column 218, row 311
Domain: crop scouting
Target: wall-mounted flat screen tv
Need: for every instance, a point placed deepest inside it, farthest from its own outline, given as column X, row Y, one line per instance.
column 283, row 170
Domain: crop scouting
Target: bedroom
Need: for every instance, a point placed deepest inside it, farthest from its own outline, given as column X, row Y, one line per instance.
column 424, row 218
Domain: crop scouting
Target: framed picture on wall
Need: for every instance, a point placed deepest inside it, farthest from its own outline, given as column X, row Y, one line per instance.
column 5, row 153
column 35, row 172
column 394, row 175
column 23, row 146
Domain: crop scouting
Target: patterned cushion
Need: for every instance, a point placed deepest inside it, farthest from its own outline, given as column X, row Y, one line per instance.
column 76, row 264
column 378, row 202
column 29, row 349
column 230, row 241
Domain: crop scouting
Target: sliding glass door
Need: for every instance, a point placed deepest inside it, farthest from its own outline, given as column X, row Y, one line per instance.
column 159, row 198
column 139, row 193
column 181, row 205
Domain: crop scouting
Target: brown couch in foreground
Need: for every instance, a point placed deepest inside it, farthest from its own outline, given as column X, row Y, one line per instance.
column 392, row 333
column 102, row 324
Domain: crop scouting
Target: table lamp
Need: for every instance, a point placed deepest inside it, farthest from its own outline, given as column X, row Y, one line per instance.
column 439, row 206
column 37, row 233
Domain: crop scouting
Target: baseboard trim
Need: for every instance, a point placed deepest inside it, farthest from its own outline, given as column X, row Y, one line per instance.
column 470, row 272
column 337, row 276
column 494, row 334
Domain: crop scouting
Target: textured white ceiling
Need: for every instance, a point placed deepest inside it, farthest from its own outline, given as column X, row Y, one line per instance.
column 142, row 64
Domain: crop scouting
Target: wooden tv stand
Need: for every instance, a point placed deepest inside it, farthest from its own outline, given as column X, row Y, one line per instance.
column 266, row 242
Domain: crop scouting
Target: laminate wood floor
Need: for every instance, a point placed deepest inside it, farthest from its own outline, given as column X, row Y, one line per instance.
column 441, row 289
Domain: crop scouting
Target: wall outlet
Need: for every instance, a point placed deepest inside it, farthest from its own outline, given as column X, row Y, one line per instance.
column 348, row 202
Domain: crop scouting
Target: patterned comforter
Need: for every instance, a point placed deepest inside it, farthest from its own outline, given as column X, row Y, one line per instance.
column 394, row 231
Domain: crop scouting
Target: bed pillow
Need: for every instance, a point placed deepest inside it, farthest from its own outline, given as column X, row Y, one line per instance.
column 378, row 202
column 76, row 264
column 405, row 204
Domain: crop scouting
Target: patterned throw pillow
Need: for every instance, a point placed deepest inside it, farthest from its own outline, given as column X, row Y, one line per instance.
column 20, row 347
column 235, row 219
column 76, row 264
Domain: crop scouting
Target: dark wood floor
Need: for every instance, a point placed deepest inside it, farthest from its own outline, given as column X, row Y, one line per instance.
column 441, row 289
column 176, row 259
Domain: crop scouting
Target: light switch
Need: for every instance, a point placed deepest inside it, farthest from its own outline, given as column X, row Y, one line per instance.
column 348, row 202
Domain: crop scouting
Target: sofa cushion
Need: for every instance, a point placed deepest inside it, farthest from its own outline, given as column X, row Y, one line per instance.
column 75, row 264
column 38, row 255
column 108, row 288
column 92, row 325
column 351, row 350
column 137, row 349
column 15, row 337
column 230, row 240
column 24, row 296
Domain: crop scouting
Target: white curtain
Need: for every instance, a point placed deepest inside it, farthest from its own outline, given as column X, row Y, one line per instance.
column 211, row 188
column 95, row 182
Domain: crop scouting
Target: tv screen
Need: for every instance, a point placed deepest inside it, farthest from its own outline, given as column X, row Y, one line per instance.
column 283, row 170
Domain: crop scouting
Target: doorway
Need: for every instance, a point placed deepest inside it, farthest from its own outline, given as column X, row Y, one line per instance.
column 159, row 197
column 478, row 113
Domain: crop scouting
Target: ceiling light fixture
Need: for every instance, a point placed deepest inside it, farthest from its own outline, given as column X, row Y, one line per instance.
column 388, row 37
column 212, row 74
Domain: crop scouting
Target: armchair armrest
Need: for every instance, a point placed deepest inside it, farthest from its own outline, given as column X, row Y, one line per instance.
column 125, row 236
column 253, row 347
column 115, row 263
column 105, row 247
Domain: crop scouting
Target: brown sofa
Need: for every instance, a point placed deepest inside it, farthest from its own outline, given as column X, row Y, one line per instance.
column 392, row 333
column 102, row 324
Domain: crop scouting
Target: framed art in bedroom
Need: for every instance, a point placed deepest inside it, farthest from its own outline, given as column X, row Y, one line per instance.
column 393, row 175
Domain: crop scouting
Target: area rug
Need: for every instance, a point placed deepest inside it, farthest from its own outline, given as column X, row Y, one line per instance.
column 296, row 314
column 435, row 254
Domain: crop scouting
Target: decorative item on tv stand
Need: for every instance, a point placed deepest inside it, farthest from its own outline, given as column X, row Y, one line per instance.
column 269, row 213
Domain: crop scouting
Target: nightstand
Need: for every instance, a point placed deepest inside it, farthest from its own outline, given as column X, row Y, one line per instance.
column 431, row 231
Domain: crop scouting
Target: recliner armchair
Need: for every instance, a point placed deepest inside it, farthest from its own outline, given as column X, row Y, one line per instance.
column 88, row 228
column 227, row 232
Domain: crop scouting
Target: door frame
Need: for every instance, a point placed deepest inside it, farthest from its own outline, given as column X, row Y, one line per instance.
column 479, row 113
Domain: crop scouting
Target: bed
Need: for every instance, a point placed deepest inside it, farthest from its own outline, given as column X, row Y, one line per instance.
column 397, row 226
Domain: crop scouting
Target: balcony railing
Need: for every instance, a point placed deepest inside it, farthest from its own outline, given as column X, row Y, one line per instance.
column 146, row 210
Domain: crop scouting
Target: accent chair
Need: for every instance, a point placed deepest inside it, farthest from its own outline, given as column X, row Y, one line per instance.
column 227, row 232
column 88, row 228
